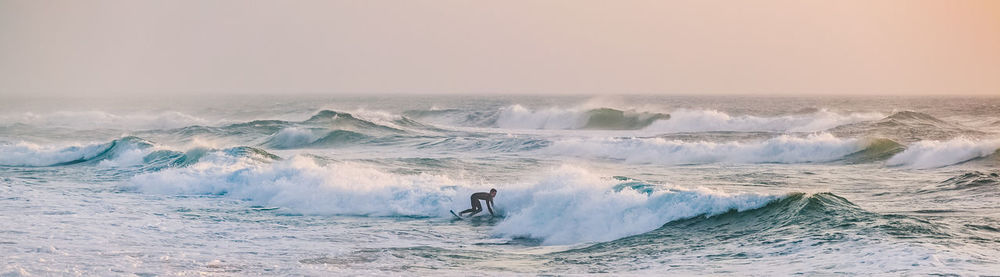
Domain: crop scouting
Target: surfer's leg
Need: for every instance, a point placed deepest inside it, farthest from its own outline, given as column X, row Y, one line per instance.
column 476, row 207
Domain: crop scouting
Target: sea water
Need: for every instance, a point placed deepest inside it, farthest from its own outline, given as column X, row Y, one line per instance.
column 337, row 185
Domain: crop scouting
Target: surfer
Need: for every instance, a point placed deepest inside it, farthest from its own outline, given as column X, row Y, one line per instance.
column 476, row 207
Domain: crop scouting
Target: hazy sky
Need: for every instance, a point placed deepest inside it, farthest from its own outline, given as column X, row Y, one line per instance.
column 52, row 47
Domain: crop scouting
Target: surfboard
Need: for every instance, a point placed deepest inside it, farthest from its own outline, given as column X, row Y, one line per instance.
column 453, row 213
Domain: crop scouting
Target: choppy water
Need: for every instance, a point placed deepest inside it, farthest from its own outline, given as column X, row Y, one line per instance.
column 634, row 185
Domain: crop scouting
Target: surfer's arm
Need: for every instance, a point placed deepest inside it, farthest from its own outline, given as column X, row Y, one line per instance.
column 489, row 206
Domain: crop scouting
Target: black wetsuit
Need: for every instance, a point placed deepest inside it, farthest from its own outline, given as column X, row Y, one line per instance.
column 476, row 207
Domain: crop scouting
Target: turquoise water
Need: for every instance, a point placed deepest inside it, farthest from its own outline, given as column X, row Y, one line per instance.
column 628, row 185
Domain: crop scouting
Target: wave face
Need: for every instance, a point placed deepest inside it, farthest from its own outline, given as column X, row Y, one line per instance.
column 931, row 154
column 781, row 149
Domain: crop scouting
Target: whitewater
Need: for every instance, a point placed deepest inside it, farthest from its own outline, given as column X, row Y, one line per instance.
column 633, row 185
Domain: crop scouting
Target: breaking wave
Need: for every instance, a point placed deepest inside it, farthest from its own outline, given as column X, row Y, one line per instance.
column 29, row 154
column 569, row 206
column 574, row 206
column 931, row 154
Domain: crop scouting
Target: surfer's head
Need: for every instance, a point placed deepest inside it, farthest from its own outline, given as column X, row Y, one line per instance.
column 493, row 192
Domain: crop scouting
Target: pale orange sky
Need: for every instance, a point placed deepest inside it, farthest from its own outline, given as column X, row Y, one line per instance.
column 796, row 47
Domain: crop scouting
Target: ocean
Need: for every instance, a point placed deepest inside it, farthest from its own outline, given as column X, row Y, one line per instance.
column 624, row 185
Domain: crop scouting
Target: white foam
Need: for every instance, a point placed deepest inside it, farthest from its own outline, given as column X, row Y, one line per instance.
column 304, row 186
column 931, row 154
column 129, row 155
column 685, row 120
column 574, row 206
column 519, row 117
column 822, row 147
column 30, row 154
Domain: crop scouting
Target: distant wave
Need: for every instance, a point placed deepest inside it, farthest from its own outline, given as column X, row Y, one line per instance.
column 682, row 120
column 931, row 154
column 124, row 152
column 324, row 129
column 83, row 120
column 456, row 117
column 906, row 126
column 879, row 149
column 781, row 149
column 685, row 120
column 295, row 137
column 29, row 154
column 345, row 120
column 494, row 144
column 981, row 181
column 519, row 117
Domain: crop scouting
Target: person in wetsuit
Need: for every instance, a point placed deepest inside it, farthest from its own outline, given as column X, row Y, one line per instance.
column 476, row 207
